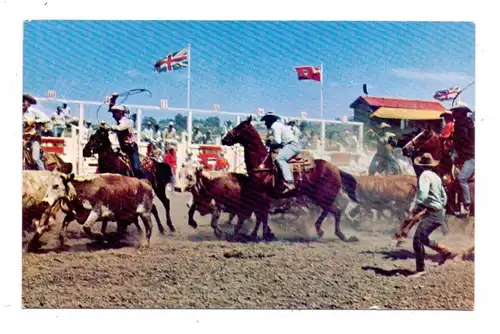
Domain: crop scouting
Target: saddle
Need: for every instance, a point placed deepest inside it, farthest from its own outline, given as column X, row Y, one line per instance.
column 298, row 164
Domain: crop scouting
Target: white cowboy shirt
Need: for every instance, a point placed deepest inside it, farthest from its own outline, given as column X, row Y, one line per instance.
column 281, row 133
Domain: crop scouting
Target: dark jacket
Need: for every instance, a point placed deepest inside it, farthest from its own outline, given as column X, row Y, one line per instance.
column 464, row 138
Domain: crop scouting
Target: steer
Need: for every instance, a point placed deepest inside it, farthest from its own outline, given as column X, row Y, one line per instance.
column 214, row 192
column 35, row 186
column 105, row 197
column 395, row 193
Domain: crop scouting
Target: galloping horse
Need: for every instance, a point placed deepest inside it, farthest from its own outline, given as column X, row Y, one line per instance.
column 109, row 161
column 318, row 179
column 428, row 141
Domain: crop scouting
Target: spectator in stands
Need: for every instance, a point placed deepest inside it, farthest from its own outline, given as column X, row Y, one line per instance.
column 158, row 137
column 170, row 137
column 208, row 138
column 59, row 120
column 305, row 136
column 66, row 110
column 227, row 127
column 221, row 164
column 87, row 130
column 47, row 130
column 198, row 137
column 171, row 160
column 191, row 159
column 147, row 136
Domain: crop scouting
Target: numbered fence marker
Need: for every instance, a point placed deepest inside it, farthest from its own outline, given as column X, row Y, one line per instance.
column 52, row 95
column 164, row 104
column 260, row 112
column 303, row 115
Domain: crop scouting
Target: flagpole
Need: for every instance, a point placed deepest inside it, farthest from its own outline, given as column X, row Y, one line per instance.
column 323, row 146
column 190, row 114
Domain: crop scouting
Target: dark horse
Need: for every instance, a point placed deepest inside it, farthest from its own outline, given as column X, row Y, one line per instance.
column 428, row 141
column 109, row 161
column 321, row 183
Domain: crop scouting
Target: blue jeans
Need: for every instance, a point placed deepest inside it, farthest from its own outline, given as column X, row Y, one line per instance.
column 133, row 154
column 428, row 225
column 36, row 155
column 287, row 152
column 463, row 176
column 58, row 130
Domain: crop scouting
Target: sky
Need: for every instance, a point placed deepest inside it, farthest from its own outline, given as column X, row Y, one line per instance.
column 245, row 65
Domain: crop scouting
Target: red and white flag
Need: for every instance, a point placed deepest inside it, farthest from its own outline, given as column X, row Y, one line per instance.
column 308, row 73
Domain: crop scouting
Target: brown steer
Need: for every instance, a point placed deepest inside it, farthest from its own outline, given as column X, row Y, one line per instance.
column 105, row 197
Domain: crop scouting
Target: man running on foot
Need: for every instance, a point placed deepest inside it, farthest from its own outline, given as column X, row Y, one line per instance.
column 430, row 207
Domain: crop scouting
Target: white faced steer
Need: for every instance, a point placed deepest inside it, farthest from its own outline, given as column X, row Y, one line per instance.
column 105, row 197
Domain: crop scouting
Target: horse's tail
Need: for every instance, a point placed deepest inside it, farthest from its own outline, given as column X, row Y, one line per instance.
column 349, row 185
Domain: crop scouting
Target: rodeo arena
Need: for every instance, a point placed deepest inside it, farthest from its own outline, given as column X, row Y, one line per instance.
column 219, row 209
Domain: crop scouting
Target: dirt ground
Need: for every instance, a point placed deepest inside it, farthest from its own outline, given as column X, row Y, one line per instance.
column 192, row 269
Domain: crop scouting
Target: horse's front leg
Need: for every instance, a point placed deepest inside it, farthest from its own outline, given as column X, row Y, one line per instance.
column 215, row 222
column 160, row 192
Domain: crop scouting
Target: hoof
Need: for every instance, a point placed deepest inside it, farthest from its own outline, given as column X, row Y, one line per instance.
column 320, row 233
column 353, row 239
column 33, row 246
column 269, row 237
column 253, row 237
column 193, row 224
column 171, row 227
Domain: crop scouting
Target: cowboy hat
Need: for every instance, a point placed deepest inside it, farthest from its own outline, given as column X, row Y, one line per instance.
column 446, row 113
column 269, row 115
column 460, row 106
column 29, row 98
column 120, row 107
column 384, row 125
column 170, row 123
column 426, row 160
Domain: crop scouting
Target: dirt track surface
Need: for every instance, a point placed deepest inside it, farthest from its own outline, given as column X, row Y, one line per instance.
column 191, row 269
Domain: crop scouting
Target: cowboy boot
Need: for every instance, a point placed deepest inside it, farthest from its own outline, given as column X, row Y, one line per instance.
column 444, row 251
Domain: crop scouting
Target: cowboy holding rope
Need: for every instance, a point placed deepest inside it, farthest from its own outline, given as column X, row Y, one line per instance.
column 124, row 131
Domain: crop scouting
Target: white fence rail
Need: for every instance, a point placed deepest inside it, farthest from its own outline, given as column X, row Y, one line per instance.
column 75, row 144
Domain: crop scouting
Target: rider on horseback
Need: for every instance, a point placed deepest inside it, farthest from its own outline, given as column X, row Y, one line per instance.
column 32, row 129
column 384, row 156
column 463, row 155
column 282, row 137
column 126, row 137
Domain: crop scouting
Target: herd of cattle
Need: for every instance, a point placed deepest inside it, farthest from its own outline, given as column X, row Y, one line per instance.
column 121, row 199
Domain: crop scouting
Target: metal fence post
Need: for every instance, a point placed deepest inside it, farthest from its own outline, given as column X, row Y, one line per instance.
column 138, row 125
column 323, row 127
column 79, row 169
column 361, row 130
column 190, row 127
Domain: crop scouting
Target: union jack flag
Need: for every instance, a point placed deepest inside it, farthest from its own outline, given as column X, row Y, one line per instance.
column 175, row 61
column 447, row 94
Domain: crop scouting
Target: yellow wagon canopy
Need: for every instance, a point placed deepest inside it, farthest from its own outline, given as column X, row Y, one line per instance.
column 403, row 113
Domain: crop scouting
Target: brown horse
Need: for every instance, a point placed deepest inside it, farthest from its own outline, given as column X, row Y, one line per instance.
column 428, row 141
column 321, row 183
